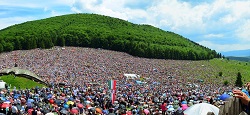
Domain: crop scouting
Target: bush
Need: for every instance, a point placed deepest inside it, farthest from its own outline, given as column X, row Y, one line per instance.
column 220, row 74
column 225, row 82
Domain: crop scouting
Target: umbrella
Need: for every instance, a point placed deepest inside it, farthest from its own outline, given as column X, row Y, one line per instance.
column 70, row 102
column 79, row 105
column 50, row 113
column 129, row 85
column 74, row 111
column 98, row 110
column 58, row 102
column 71, row 99
column 171, row 109
column 5, row 105
column 51, row 101
column 16, row 96
column 66, row 106
column 201, row 109
column 64, row 111
column 87, row 102
column 184, row 106
column 146, row 111
column 30, row 100
column 3, row 98
column 30, row 111
column 49, row 96
column 224, row 97
column 184, row 102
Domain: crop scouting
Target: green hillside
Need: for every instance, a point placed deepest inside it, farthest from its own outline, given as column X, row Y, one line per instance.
column 97, row 31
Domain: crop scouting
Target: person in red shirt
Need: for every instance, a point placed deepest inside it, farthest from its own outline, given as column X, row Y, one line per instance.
column 164, row 108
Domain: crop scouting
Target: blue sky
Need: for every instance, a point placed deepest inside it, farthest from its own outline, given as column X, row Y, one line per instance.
column 221, row 25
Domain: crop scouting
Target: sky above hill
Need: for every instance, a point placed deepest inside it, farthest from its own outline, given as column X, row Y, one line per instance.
column 221, row 25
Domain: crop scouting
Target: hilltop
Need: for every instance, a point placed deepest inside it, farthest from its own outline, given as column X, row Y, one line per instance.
column 98, row 31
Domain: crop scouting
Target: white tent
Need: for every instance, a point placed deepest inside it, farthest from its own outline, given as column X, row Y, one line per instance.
column 201, row 109
column 2, row 84
column 131, row 76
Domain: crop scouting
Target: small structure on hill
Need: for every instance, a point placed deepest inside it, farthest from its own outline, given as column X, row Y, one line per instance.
column 2, row 85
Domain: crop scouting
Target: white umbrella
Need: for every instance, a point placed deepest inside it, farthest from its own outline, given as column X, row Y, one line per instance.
column 201, row 109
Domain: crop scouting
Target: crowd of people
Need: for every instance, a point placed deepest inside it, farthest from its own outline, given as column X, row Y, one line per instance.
column 79, row 82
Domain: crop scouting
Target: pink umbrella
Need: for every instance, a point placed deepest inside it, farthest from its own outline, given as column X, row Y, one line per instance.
column 184, row 106
column 146, row 111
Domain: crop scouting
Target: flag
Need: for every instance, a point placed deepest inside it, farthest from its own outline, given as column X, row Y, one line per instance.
column 112, row 87
column 113, row 96
column 112, row 84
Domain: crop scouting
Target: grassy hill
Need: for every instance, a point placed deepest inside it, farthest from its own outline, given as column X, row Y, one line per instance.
column 209, row 70
column 21, row 82
column 98, row 31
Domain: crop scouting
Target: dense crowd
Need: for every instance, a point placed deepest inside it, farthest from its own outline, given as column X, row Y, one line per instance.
column 83, row 74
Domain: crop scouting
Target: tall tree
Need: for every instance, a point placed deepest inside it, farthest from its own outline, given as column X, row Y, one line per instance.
column 238, row 81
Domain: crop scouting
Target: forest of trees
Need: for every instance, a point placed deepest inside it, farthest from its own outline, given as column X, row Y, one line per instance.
column 97, row 31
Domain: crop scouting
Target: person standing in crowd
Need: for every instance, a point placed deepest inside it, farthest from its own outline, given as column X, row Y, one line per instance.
column 14, row 109
column 164, row 108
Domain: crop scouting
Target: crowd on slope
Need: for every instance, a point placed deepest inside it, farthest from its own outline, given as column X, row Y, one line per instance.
column 85, row 72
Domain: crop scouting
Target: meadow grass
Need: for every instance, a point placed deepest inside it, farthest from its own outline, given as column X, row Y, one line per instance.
column 21, row 82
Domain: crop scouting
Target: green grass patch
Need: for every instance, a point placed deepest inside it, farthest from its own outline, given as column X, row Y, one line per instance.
column 210, row 70
column 20, row 81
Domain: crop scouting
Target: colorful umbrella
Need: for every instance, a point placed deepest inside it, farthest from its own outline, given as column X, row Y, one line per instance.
column 146, row 111
column 70, row 102
column 224, row 97
column 64, row 111
column 74, row 111
column 51, row 101
column 30, row 100
column 5, row 105
column 184, row 106
column 98, row 110
column 79, row 105
column 66, row 106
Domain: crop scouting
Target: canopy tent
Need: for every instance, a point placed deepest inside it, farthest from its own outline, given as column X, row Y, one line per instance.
column 131, row 76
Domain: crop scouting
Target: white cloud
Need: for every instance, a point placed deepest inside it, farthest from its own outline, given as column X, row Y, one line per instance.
column 45, row 9
column 243, row 32
column 21, row 3
column 113, row 8
column 5, row 22
column 214, row 36
column 224, row 47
